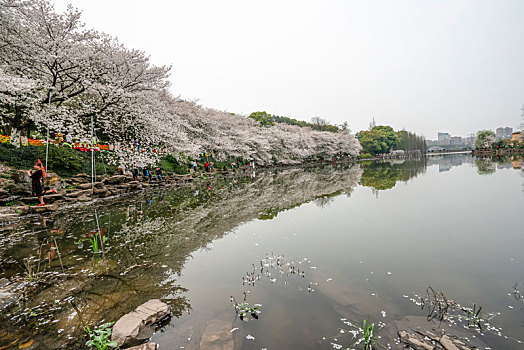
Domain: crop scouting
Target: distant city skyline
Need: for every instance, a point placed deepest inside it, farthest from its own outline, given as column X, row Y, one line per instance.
column 507, row 131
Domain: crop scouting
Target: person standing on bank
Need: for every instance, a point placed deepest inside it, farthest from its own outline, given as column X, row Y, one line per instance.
column 158, row 174
column 37, row 179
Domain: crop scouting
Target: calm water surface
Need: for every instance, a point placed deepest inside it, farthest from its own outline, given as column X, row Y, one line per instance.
column 365, row 242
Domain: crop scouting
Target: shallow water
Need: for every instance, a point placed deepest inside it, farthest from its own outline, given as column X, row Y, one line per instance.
column 364, row 241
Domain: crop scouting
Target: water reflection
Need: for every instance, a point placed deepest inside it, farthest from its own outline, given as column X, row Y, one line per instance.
column 488, row 165
column 385, row 175
column 143, row 244
column 448, row 161
column 334, row 258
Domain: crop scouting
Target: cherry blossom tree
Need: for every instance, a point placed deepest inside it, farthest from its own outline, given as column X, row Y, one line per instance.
column 57, row 76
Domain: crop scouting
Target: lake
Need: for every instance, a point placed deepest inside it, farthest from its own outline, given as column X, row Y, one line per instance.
column 318, row 248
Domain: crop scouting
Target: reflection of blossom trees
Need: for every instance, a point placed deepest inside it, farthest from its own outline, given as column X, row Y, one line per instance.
column 485, row 166
column 151, row 237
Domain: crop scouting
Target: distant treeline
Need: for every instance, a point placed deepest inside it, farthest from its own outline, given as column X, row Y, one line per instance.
column 316, row 123
column 409, row 141
column 382, row 139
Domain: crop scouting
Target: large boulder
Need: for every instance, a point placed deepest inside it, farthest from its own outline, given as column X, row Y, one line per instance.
column 137, row 325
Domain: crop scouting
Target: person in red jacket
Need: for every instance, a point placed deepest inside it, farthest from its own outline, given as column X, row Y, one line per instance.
column 37, row 179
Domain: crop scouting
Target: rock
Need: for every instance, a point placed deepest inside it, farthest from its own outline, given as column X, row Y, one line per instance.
column 101, row 193
column 447, row 343
column 4, row 193
column 8, row 199
column 87, row 186
column 217, row 335
column 135, row 324
column 52, row 180
column 80, row 193
column 19, row 189
column 146, row 346
column 80, row 179
column 115, row 180
column 9, row 293
column 428, row 340
column 8, row 218
column 43, row 209
column 47, row 198
column 21, row 176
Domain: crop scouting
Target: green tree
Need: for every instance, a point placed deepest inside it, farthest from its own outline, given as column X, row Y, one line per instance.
column 380, row 139
column 485, row 139
column 409, row 141
column 263, row 118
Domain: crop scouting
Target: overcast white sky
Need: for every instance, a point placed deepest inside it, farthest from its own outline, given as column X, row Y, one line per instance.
column 426, row 66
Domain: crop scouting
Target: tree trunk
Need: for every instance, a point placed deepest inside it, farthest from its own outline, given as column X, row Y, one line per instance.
column 15, row 137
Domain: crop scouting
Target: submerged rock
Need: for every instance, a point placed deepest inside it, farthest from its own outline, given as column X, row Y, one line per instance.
column 9, row 293
column 217, row 335
column 432, row 340
column 146, row 346
column 134, row 325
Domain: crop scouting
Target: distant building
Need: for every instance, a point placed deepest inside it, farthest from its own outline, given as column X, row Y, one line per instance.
column 444, row 138
column 456, row 140
column 516, row 137
column 470, row 140
column 504, row 133
column 372, row 124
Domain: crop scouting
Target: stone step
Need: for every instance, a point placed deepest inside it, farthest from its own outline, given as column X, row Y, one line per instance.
column 48, row 198
column 43, row 209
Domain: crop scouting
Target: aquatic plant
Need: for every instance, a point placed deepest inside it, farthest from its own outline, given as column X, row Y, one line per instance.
column 243, row 309
column 97, row 240
column 99, row 338
column 276, row 264
column 442, row 308
column 33, row 272
column 32, row 269
column 368, row 330
column 364, row 335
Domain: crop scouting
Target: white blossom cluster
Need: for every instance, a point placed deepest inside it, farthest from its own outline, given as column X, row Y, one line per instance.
column 57, row 75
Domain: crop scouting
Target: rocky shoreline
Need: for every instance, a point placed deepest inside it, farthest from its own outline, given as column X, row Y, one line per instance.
column 16, row 199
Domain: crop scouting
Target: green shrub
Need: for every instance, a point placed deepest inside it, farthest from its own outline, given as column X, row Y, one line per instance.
column 365, row 156
column 62, row 160
column 171, row 164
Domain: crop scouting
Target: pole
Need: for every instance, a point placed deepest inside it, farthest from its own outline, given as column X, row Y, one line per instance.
column 47, row 138
column 92, row 157
column 47, row 148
